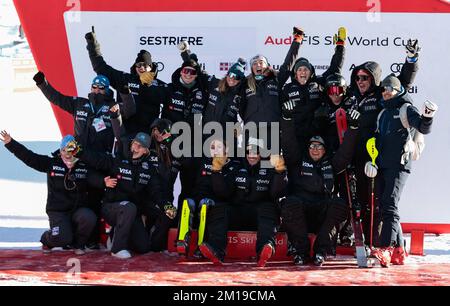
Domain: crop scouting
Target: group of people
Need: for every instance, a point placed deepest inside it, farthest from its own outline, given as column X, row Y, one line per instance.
column 120, row 164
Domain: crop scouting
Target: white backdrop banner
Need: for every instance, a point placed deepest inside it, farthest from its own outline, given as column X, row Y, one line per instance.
column 219, row 38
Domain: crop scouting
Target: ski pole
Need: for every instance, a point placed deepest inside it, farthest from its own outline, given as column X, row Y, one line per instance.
column 373, row 153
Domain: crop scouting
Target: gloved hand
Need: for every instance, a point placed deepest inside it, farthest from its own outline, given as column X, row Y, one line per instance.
column 218, row 162
column 412, row 50
column 277, row 161
column 429, row 109
column 90, row 36
column 353, row 119
column 170, row 210
column 114, row 111
column 183, row 46
column 340, row 37
column 287, row 109
column 370, row 170
column 39, row 78
column 298, row 34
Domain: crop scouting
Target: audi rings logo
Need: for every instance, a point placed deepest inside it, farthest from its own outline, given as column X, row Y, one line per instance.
column 396, row 67
column 159, row 66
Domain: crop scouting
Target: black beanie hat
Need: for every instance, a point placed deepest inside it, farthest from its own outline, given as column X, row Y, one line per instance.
column 144, row 57
column 193, row 62
column 302, row 62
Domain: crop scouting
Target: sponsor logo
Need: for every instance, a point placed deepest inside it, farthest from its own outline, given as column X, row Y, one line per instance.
column 293, row 94
column 198, row 95
column 57, row 168
column 82, row 113
column 133, row 85
column 170, row 40
column 178, row 102
column 144, row 175
column 396, row 67
column 240, row 179
column 125, row 171
column 260, row 181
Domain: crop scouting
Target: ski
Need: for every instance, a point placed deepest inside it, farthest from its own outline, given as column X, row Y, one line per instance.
column 355, row 208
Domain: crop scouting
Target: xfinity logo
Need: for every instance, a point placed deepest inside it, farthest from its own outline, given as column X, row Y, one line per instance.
column 143, row 175
column 262, row 181
column 170, row 40
column 125, row 171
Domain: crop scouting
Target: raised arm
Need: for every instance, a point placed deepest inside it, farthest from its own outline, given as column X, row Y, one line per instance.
column 116, row 77
column 41, row 163
column 67, row 103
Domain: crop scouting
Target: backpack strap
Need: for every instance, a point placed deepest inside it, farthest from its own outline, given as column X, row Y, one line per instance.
column 404, row 116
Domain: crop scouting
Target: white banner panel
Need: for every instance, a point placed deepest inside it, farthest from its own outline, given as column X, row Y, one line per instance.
column 219, row 38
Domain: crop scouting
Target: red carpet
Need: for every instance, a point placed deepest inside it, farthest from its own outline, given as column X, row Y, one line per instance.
column 99, row 268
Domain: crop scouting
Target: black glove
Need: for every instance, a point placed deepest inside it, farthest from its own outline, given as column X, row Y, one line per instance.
column 353, row 118
column 39, row 78
column 92, row 45
column 287, row 109
column 90, row 36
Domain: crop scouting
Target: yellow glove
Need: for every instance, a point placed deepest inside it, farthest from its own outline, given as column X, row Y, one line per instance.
column 340, row 37
column 147, row 77
column 218, row 162
column 277, row 162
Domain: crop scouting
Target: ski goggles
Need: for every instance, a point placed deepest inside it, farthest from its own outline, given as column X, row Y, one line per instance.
column 316, row 146
column 335, row 90
column 98, row 86
column 189, row 71
column 233, row 75
column 362, row 78
column 388, row 89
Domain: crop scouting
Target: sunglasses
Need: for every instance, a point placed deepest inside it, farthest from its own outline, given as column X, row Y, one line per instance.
column 362, row 78
column 98, row 86
column 189, row 71
column 388, row 89
column 140, row 64
column 335, row 91
column 316, row 146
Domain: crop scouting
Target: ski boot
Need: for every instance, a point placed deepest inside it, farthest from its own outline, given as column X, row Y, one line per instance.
column 384, row 255
column 209, row 252
column 266, row 252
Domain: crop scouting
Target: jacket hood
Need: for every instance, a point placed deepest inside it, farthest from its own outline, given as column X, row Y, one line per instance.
column 373, row 68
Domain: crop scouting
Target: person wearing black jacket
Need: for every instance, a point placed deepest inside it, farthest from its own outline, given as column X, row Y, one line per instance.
column 187, row 94
column 394, row 162
column 261, row 92
column 303, row 96
column 71, row 221
column 92, row 123
column 148, row 91
column 132, row 186
column 365, row 88
column 312, row 204
column 246, row 196
column 324, row 124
